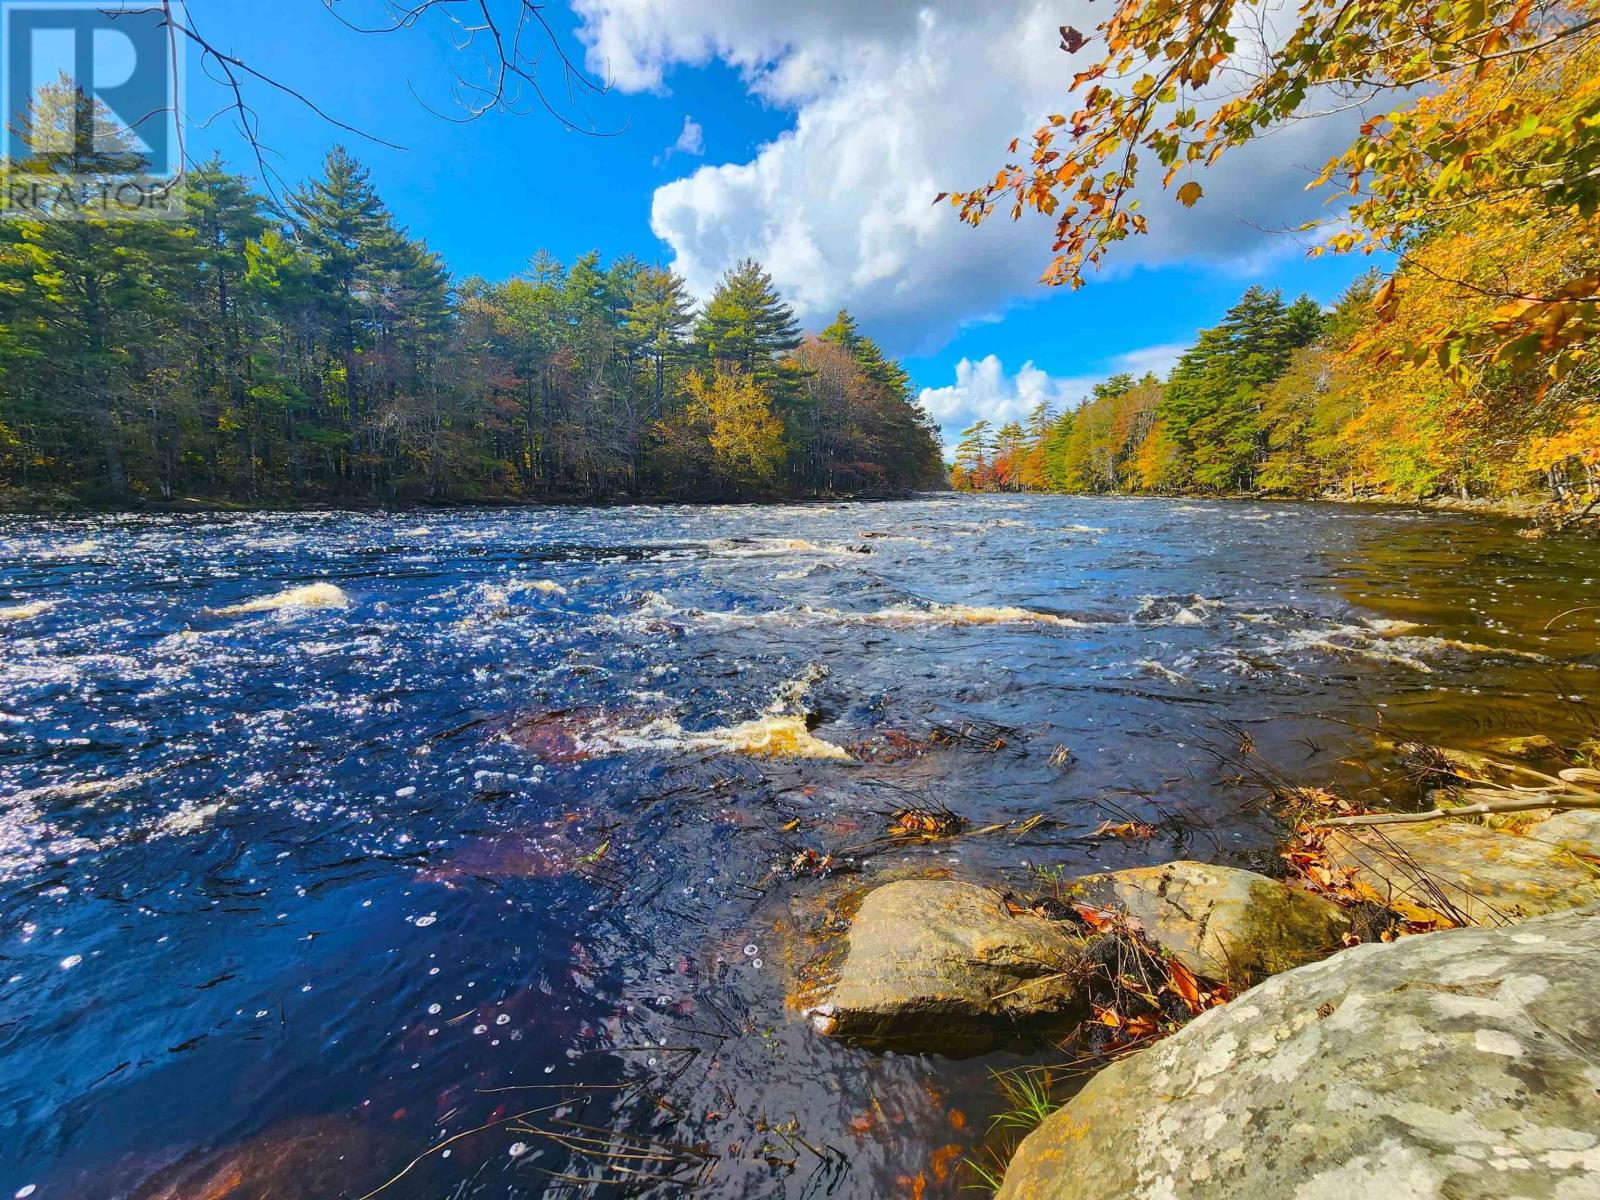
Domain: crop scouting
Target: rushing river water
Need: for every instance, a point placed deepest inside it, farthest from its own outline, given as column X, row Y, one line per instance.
column 490, row 844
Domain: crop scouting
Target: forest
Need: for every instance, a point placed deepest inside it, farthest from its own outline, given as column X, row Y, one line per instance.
column 314, row 351
column 1467, row 370
column 1286, row 399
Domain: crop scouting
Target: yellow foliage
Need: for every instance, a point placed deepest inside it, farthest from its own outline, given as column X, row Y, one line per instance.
column 1155, row 461
column 745, row 435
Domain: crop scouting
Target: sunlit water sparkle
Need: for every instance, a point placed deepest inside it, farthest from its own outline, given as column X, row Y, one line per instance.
column 319, row 831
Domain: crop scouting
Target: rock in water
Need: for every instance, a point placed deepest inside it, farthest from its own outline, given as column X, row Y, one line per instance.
column 1220, row 922
column 309, row 1158
column 1459, row 1064
column 943, row 967
column 1462, row 873
column 1536, row 747
column 310, row 596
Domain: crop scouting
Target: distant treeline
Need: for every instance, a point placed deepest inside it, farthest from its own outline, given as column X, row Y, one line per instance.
column 1287, row 399
column 320, row 352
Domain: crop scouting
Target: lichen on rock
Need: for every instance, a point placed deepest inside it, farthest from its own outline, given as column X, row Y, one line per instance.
column 1221, row 922
column 1459, row 1064
column 1465, row 874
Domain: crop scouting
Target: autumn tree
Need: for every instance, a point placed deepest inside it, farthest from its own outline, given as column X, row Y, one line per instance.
column 1486, row 103
column 324, row 353
column 743, row 432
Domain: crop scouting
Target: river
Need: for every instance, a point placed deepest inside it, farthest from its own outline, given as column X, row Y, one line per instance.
column 489, row 845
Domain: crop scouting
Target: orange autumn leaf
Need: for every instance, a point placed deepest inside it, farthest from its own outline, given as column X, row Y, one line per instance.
column 1184, row 983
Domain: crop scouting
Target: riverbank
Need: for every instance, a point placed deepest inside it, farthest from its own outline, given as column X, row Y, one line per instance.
column 1543, row 515
column 13, row 503
column 1329, row 1057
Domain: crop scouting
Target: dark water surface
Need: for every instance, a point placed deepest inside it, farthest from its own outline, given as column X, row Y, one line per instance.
column 293, row 895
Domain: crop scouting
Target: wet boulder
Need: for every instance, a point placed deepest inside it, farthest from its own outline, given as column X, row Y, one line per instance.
column 1463, row 873
column 940, row 966
column 1457, row 1064
column 1221, row 922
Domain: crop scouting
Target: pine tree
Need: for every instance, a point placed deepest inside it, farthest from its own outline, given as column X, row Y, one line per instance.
column 227, row 215
column 86, row 304
column 1213, row 402
column 658, row 315
column 747, row 324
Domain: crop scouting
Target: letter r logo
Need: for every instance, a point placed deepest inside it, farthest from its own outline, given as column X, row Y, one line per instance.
column 92, row 84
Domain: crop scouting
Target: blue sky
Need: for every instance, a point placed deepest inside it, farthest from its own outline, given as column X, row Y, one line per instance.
column 824, row 130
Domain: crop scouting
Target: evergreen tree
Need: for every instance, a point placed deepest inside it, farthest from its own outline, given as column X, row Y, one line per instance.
column 746, row 323
column 1214, row 397
column 658, row 315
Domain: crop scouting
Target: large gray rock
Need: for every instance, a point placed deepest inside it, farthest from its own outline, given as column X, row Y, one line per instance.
column 1464, row 873
column 1220, row 922
column 1457, row 1066
column 1577, row 832
column 940, row 966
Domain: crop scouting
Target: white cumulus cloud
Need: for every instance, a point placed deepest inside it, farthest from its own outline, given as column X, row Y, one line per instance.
column 894, row 101
column 983, row 389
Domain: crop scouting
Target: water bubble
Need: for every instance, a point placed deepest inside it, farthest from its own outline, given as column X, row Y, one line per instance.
column 518, row 1149
column 71, row 961
column 503, row 1019
column 433, row 1010
column 752, row 950
column 480, row 1029
column 424, row 922
column 756, row 962
column 24, row 1192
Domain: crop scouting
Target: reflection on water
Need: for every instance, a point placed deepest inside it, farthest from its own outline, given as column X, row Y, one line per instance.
column 326, row 839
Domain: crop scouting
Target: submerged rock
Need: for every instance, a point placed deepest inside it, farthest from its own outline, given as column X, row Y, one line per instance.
column 1536, row 747
column 1457, row 1064
column 1221, row 922
column 304, row 1157
column 26, row 612
column 939, row 966
column 1463, row 873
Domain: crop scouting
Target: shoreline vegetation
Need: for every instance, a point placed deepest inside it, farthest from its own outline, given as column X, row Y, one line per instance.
column 61, row 504
column 1283, row 400
column 313, row 350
